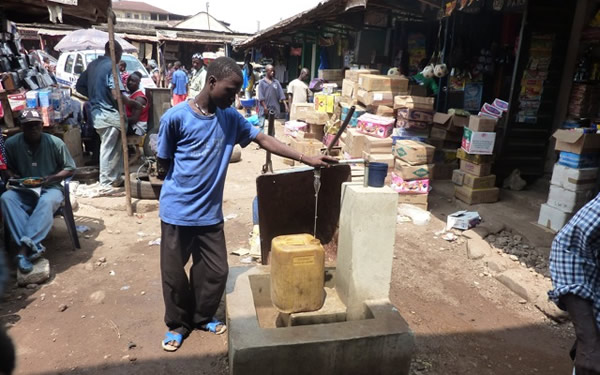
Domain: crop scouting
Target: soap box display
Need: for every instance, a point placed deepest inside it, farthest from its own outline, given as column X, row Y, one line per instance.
column 403, row 186
column 478, row 142
column 377, row 126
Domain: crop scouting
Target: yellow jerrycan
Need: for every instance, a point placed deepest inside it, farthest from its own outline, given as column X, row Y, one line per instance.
column 297, row 273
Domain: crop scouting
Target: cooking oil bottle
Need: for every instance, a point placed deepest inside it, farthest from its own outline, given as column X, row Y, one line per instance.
column 297, row 273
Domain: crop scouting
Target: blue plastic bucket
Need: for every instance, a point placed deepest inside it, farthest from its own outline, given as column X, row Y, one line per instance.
column 377, row 174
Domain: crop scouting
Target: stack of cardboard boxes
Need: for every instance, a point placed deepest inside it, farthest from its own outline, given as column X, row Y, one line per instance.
column 413, row 171
column 375, row 90
column 446, row 136
column 574, row 177
column 474, row 182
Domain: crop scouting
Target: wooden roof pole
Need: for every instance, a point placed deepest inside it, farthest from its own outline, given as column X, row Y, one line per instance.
column 116, row 79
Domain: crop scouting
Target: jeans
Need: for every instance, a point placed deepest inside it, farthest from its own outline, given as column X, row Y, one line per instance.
column 30, row 218
column 111, row 155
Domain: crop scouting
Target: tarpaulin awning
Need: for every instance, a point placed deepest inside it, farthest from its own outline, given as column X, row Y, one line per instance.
column 90, row 39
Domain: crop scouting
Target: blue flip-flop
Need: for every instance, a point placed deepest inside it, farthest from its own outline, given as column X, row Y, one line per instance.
column 172, row 337
column 25, row 266
column 215, row 326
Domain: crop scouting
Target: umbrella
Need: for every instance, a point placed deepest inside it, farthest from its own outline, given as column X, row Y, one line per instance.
column 90, row 39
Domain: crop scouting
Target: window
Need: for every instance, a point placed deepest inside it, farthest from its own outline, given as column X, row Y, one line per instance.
column 69, row 64
column 127, row 15
column 78, row 64
column 146, row 17
column 136, row 16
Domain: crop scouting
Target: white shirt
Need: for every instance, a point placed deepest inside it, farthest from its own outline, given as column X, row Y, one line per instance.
column 299, row 91
column 280, row 72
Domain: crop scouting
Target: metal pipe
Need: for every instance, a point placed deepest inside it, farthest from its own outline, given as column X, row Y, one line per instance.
column 342, row 128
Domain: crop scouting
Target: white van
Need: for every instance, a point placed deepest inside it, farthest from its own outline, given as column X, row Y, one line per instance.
column 70, row 65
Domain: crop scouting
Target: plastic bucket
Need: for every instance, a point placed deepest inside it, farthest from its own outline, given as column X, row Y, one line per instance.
column 377, row 174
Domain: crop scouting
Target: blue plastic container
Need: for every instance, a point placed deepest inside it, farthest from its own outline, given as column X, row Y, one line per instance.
column 377, row 173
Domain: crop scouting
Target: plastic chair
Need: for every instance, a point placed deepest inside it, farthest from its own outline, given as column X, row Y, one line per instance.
column 66, row 211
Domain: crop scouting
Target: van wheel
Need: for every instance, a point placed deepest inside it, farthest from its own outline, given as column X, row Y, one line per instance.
column 144, row 187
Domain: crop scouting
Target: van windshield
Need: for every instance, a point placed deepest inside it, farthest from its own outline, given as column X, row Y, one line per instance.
column 133, row 64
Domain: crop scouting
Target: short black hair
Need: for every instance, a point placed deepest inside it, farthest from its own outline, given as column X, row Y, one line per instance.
column 137, row 74
column 223, row 67
column 118, row 48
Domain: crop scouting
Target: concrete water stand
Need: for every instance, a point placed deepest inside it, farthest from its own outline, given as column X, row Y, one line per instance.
column 381, row 343
column 357, row 331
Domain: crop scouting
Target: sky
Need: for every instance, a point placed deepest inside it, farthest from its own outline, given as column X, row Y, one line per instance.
column 241, row 14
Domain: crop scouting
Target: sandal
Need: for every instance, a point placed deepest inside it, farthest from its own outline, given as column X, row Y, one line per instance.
column 215, row 326
column 172, row 341
column 25, row 266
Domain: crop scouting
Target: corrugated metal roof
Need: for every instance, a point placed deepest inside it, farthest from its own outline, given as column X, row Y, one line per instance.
column 137, row 6
column 330, row 11
column 85, row 13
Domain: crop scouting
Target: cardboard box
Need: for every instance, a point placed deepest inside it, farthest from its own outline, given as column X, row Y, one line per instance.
column 444, row 134
column 380, row 158
column 375, row 98
column 355, row 143
column 460, row 121
column 572, row 160
column 417, row 90
column 419, row 200
column 385, row 111
column 574, row 179
column 458, row 177
column 553, row 218
column 349, row 88
column 378, row 145
column 348, row 101
column 331, row 74
column 417, row 102
column 413, row 152
column 300, row 111
column 478, row 170
column 476, row 196
column 358, row 111
column 567, row 200
column 319, row 118
column 445, row 155
column 463, row 220
column 481, row 143
column 443, row 171
column 482, row 124
column 372, row 82
column 576, row 141
column 309, row 147
column 423, row 115
column 413, row 172
column 475, row 182
column 354, row 74
column 326, row 102
column 474, row 158
column 377, row 126
column 318, row 130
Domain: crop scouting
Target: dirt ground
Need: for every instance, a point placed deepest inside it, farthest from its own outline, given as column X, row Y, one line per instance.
column 464, row 321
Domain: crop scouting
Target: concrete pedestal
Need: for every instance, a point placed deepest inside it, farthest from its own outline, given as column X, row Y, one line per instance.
column 365, row 246
column 380, row 344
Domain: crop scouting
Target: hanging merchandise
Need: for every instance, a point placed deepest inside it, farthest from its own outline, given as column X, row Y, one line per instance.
column 416, row 52
column 436, row 67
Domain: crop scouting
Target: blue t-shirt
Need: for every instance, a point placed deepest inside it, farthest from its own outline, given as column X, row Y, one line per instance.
column 199, row 148
column 96, row 82
column 180, row 80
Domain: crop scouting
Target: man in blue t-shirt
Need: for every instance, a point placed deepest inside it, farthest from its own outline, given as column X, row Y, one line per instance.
column 179, row 83
column 97, row 83
column 195, row 142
